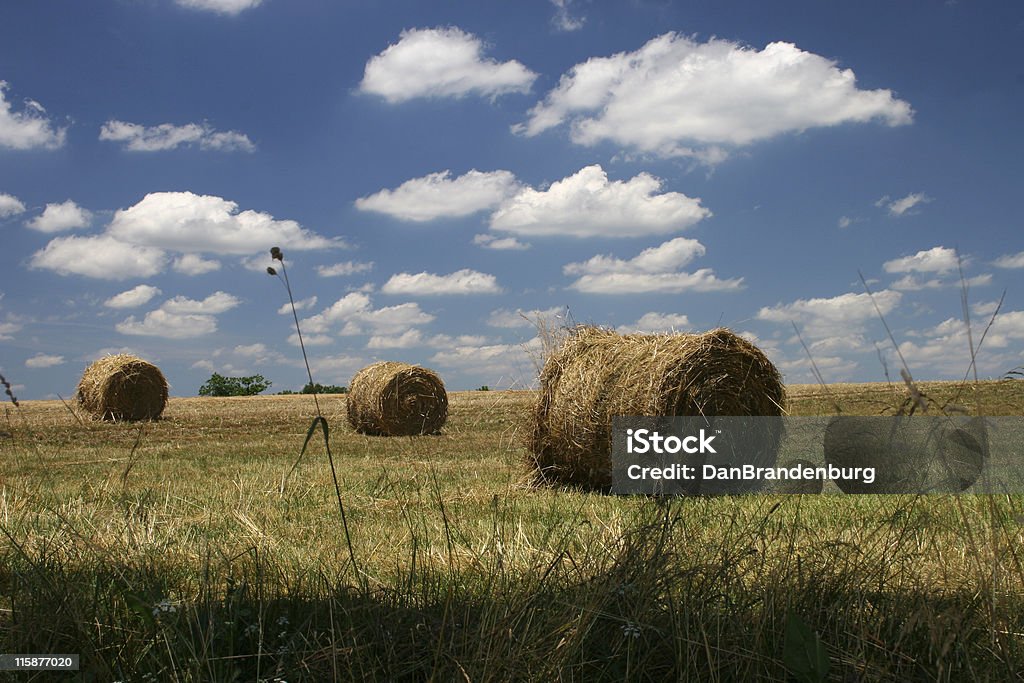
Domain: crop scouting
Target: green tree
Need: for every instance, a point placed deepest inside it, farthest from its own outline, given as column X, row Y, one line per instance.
column 219, row 385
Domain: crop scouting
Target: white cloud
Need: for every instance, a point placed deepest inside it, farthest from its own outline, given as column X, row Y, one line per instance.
column 586, row 204
column 563, row 19
column 60, row 217
column 300, row 305
column 494, row 364
column 407, row 340
column 7, row 329
column 438, row 195
column 899, row 207
column 946, row 347
column 160, row 323
column 653, row 270
column 231, row 7
column 10, row 205
column 251, row 350
column 678, row 97
column 463, row 281
column 218, row 302
column 846, row 314
column 354, row 314
column 192, row 223
column 658, row 322
column 934, row 260
column 42, row 360
column 100, row 256
column 909, row 283
column 29, row 128
column 441, row 62
column 193, row 264
column 845, row 221
column 1010, row 261
column 500, row 243
column 181, row 317
column 136, row 296
column 508, row 319
column 832, row 369
column 346, row 268
column 138, row 138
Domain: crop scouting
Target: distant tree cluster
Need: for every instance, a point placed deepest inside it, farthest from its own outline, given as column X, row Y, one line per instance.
column 219, row 385
column 317, row 388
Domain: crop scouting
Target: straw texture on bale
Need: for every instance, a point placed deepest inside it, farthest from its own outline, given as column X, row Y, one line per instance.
column 598, row 374
column 397, row 399
column 123, row 387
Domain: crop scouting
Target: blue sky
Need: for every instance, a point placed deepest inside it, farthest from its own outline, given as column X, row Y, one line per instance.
column 435, row 173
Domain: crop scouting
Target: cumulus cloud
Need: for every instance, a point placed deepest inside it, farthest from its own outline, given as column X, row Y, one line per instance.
column 1010, row 261
column 193, row 264
column 10, row 205
column 508, row 364
column 229, row 7
column 355, row 314
column 59, row 217
column 218, row 302
column 899, row 207
column 100, row 256
column 131, row 298
column 653, row 270
column 300, row 305
column 346, row 268
column 441, row 62
column 139, row 138
column 838, row 316
column 946, row 347
column 160, row 323
column 438, row 195
column 657, row 322
column 587, row 204
column 42, row 360
column 679, row 97
column 137, row 241
column 180, row 317
column 934, row 260
column 463, row 281
column 183, row 221
column 29, row 128
column 508, row 319
column 500, row 243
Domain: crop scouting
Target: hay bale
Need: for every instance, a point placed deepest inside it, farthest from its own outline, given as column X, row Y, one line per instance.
column 598, row 374
column 123, row 387
column 897, row 449
column 962, row 454
column 798, row 486
column 397, row 399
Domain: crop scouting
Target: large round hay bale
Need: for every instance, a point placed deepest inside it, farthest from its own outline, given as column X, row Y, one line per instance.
column 598, row 374
column 397, row 399
column 123, row 387
column 894, row 450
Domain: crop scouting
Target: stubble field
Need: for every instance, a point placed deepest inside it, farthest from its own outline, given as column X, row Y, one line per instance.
column 167, row 551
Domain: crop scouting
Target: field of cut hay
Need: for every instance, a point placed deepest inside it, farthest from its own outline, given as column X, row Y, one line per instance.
column 166, row 551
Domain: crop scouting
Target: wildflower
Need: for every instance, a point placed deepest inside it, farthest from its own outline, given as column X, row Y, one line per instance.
column 271, row 271
column 275, row 253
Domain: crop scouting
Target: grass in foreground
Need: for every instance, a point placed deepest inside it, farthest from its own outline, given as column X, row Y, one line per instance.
column 165, row 552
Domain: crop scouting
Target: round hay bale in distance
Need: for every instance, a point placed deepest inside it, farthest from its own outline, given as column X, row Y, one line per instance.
column 598, row 374
column 397, row 399
column 123, row 387
column 895, row 449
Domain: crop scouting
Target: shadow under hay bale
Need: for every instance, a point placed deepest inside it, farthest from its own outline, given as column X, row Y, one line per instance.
column 123, row 387
column 598, row 374
column 397, row 399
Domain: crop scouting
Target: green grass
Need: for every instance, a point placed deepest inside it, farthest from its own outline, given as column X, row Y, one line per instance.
column 171, row 555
